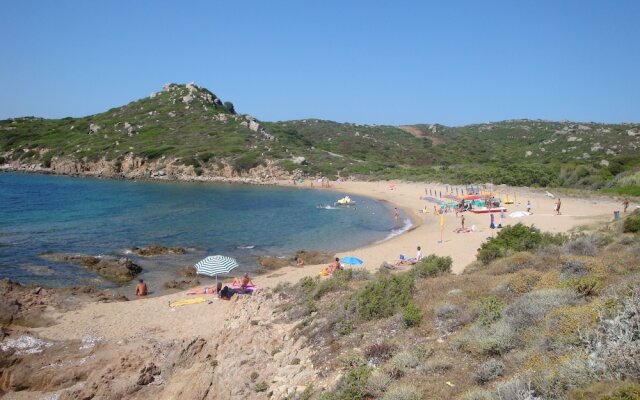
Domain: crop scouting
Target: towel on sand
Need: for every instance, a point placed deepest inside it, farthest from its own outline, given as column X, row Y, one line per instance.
column 184, row 302
column 250, row 288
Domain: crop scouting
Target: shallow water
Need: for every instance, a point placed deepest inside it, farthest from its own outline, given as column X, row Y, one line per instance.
column 53, row 214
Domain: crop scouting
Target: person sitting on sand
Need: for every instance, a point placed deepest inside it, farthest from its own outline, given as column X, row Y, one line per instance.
column 299, row 262
column 243, row 282
column 410, row 261
column 141, row 288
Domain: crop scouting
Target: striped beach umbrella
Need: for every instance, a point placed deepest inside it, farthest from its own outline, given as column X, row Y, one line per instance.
column 215, row 265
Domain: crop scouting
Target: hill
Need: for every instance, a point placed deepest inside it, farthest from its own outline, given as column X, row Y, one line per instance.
column 188, row 132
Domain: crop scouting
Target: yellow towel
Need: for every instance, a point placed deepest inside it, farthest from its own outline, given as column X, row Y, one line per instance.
column 184, row 302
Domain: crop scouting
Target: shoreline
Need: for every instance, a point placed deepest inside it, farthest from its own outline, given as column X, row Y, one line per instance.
column 407, row 196
column 142, row 317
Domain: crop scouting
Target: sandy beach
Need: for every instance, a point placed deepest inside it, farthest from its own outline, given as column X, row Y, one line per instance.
column 153, row 316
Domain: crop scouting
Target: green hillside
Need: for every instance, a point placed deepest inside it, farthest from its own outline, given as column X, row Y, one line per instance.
column 189, row 125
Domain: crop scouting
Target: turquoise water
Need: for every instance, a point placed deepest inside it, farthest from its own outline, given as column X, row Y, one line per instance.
column 53, row 214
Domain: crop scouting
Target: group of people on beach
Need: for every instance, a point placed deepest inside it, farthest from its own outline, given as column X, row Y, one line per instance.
column 239, row 285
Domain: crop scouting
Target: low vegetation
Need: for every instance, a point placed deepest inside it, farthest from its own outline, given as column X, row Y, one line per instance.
column 552, row 317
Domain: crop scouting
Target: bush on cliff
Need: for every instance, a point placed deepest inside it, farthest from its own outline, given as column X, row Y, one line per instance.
column 516, row 238
column 632, row 222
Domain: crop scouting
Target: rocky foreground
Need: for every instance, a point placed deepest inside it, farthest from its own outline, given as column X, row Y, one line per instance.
column 249, row 354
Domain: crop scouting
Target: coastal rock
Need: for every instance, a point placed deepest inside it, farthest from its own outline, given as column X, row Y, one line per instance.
column 181, row 284
column 27, row 305
column 188, row 271
column 156, row 250
column 119, row 270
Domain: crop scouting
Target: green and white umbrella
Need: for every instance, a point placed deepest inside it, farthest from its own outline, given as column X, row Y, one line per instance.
column 215, row 265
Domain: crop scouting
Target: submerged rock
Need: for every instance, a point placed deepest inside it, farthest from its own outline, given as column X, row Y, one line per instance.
column 156, row 250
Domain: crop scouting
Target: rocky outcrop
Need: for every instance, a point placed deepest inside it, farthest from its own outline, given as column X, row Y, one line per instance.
column 117, row 269
column 259, row 360
column 131, row 166
column 156, row 250
column 29, row 306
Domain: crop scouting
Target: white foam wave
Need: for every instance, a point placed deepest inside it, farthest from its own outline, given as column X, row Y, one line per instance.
column 327, row 207
column 406, row 225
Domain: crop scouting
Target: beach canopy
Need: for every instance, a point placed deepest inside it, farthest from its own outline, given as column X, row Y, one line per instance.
column 351, row 260
column 215, row 265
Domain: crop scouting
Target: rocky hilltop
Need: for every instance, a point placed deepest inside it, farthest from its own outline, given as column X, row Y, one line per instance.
column 186, row 132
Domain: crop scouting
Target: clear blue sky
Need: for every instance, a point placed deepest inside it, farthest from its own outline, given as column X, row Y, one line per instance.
column 385, row 62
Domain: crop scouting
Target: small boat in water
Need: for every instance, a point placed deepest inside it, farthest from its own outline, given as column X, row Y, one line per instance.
column 345, row 201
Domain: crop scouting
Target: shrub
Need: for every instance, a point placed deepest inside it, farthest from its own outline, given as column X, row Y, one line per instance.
column 517, row 388
column 583, row 246
column 514, row 238
column 478, row 394
column 353, row 384
column 614, row 347
column 524, row 281
column 565, row 324
column 632, row 222
column 488, row 371
column 403, row 392
column 629, row 392
column 261, row 387
column 583, row 285
column 532, row 307
column 435, row 366
column 378, row 383
column 449, row 316
column 401, row 363
column 573, row 268
column 431, row 266
column 411, row 315
column 351, row 361
column 378, row 352
column 488, row 310
column 383, row 297
column 229, row 106
column 513, row 263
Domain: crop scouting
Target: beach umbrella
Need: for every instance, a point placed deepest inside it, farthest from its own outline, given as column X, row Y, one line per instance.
column 215, row 265
column 351, row 260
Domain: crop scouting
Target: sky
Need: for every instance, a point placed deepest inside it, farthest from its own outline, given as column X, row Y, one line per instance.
column 369, row 62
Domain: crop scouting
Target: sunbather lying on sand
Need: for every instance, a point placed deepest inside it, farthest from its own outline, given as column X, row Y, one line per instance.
column 329, row 269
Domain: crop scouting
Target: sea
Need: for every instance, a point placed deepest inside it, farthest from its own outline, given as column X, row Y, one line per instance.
column 43, row 214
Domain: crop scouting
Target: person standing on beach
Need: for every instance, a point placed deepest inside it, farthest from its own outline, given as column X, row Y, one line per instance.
column 396, row 214
column 462, row 222
column 558, row 204
column 625, row 203
column 141, row 288
column 529, row 206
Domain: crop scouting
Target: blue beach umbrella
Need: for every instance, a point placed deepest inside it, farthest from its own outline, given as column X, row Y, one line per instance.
column 351, row 260
column 215, row 265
